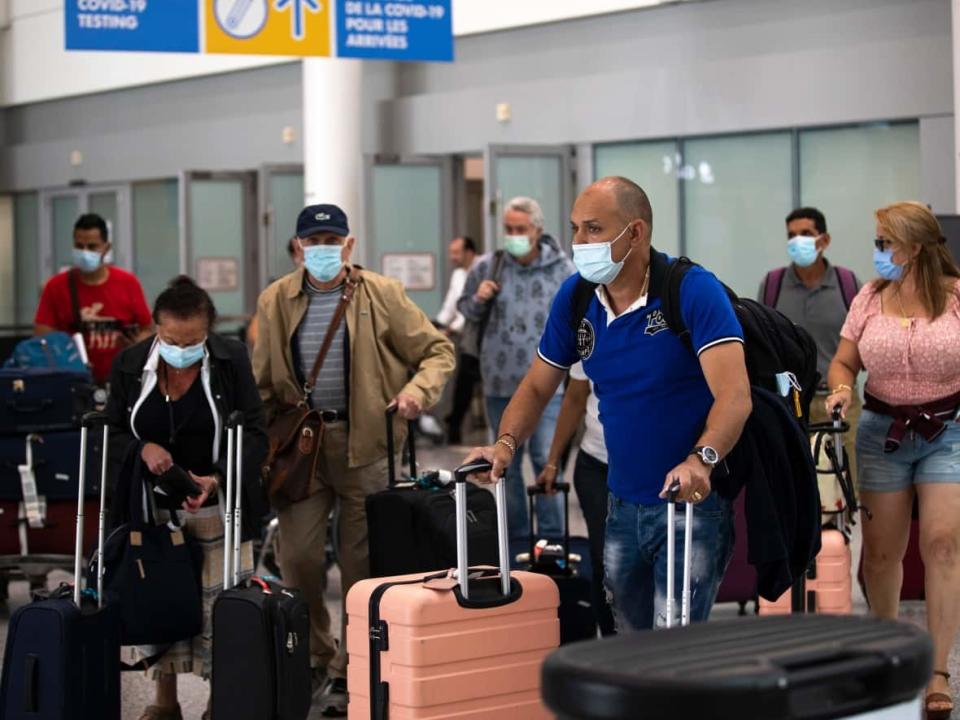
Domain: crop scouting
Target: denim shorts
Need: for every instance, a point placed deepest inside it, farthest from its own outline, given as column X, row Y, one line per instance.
column 915, row 461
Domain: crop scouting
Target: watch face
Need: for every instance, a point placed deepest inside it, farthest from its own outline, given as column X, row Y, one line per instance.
column 710, row 455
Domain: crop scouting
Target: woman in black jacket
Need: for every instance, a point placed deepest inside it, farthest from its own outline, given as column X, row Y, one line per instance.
column 170, row 396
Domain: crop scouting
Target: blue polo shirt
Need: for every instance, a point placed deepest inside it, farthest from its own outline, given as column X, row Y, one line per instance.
column 654, row 399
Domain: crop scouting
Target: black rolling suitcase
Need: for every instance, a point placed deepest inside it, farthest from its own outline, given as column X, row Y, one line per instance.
column 814, row 667
column 412, row 526
column 578, row 619
column 62, row 657
column 261, row 630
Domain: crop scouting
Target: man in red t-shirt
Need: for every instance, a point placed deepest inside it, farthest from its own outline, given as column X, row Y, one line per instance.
column 103, row 302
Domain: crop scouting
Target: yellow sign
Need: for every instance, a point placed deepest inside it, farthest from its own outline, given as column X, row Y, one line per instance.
column 268, row 27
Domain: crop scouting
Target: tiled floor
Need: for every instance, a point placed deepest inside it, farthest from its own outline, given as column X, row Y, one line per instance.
column 137, row 691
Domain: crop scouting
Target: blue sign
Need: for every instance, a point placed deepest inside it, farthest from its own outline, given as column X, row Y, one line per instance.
column 395, row 30
column 138, row 25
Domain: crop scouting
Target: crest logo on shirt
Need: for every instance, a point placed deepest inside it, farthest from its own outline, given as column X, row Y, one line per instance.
column 655, row 323
column 586, row 338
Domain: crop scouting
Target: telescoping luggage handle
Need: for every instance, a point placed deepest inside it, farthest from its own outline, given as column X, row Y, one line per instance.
column 532, row 492
column 232, row 511
column 672, row 493
column 91, row 420
column 391, row 449
column 460, row 476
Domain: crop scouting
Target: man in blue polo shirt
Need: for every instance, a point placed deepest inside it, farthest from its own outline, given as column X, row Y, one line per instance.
column 668, row 413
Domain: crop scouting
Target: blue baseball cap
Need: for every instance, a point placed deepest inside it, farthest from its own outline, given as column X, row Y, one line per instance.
column 315, row 219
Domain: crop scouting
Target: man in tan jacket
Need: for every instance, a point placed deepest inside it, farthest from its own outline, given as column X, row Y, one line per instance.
column 385, row 338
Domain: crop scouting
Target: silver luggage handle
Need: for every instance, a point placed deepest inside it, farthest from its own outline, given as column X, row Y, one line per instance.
column 90, row 420
column 232, row 511
column 672, row 493
column 460, row 496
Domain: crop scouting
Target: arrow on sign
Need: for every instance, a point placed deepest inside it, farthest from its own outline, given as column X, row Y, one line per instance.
column 296, row 18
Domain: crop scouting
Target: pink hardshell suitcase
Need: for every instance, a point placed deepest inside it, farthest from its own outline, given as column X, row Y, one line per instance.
column 828, row 588
column 467, row 643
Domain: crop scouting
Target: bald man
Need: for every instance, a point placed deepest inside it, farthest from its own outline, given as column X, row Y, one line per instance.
column 668, row 413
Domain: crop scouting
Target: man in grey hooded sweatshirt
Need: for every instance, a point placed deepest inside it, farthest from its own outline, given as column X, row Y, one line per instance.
column 513, row 289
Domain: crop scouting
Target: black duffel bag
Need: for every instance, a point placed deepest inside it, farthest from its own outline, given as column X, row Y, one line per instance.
column 152, row 572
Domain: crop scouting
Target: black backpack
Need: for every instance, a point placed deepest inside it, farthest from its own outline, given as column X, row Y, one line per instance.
column 773, row 344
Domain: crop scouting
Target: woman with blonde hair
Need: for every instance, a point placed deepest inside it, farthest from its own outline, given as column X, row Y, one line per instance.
column 904, row 330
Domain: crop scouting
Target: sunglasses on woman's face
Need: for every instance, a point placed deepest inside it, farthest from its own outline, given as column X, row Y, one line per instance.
column 882, row 244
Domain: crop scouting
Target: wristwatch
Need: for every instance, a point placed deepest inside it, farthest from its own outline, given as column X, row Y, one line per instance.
column 708, row 456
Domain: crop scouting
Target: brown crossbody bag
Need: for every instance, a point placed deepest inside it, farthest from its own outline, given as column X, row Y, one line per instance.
column 296, row 432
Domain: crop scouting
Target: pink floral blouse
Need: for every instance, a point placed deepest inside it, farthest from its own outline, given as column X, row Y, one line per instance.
column 906, row 365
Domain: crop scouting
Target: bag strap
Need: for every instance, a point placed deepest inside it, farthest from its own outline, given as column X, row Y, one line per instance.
column 772, row 284
column 670, row 299
column 74, row 298
column 848, row 284
column 497, row 268
column 353, row 279
column 582, row 297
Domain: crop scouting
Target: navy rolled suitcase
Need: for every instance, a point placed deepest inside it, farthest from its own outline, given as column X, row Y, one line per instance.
column 815, row 667
column 43, row 399
column 53, row 457
column 62, row 657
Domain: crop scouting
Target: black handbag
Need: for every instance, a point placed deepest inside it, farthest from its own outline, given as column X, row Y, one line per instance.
column 153, row 573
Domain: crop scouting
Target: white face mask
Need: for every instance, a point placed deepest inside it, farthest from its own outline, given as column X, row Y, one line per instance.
column 595, row 260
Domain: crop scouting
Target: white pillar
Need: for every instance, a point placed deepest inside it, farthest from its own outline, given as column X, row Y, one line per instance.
column 332, row 138
column 956, row 100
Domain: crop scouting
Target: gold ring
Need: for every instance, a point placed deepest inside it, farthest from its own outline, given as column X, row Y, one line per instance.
column 697, row 496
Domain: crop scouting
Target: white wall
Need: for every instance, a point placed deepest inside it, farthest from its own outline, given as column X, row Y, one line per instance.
column 688, row 69
column 35, row 67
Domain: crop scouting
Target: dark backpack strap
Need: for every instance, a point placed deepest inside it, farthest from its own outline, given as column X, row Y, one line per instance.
column 772, row 285
column 670, row 298
column 848, row 284
column 496, row 268
column 74, row 299
column 582, row 297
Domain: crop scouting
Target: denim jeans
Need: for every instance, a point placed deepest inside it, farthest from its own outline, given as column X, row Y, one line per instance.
column 549, row 509
column 590, row 481
column 635, row 560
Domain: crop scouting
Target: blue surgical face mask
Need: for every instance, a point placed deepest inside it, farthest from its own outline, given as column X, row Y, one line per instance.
column 181, row 357
column 517, row 245
column 87, row 261
column 324, row 262
column 595, row 261
column 802, row 250
column 886, row 267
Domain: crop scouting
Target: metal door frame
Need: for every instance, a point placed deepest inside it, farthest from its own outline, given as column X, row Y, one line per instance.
column 121, row 236
column 250, row 248
column 493, row 199
column 265, row 211
column 445, row 163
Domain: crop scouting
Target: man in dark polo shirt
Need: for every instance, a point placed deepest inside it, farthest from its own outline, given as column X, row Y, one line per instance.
column 816, row 296
column 668, row 413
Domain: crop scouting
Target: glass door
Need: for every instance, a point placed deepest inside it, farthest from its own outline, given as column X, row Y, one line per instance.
column 410, row 221
column 62, row 207
column 280, row 193
column 219, row 240
column 541, row 172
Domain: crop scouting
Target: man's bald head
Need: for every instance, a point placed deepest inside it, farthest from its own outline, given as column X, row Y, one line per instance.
column 631, row 201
